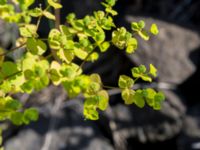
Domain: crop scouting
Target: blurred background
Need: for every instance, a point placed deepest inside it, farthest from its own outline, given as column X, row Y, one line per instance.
column 176, row 54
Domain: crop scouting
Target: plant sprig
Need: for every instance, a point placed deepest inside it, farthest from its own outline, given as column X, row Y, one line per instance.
column 84, row 39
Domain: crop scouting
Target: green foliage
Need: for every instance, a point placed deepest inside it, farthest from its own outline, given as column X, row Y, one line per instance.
column 28, row 30
column 36, row 46
column 54, row 4
column 141, row 96
column 122, row 39
column 138, row 27
column 94, row 102
column 141, row 72
column 11, row 109
column 154, row 29
column 30, row 114
column 80, row 38
column 3, row 2
column 125, row 82
column 127, row 95
column 152, row 70
column 19, row 118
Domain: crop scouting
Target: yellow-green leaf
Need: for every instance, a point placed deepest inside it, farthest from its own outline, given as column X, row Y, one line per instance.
column 93, row 57
column 141, row 24
column 95, row 78
column 103, row 100
column 152, row 70
column 131, row 45
column 125, row 82
column 54, row 72
column 35, row 46
column 143, row 34
column 104, row 46
column 54, row 4
column 80, row 53
column 36, row 12
column 138, row 99
column 29, row 30
column 127, row 96
column 49, row 15
column 154, row 29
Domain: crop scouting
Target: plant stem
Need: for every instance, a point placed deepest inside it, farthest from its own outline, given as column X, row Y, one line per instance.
column 43, row 39
column 84, row 61
column 57, row 24
column 7, row 77
column 49, row 56
column 40, row 17
column 57, row 15
column 38, row 22
column 110, row 87
column 136, row 79
column 12, row 50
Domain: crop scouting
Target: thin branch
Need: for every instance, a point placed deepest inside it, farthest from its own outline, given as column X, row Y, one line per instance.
column 136, row 79
column 57, row 15
column 43, row 39
column 109, row 87
column 7, row 77
column 40, row 17
column 12, row 75
column 49, row 56
column 38, row 22
column 84, row 61
column 57, row 24
column 159, row 85
column 12, row 50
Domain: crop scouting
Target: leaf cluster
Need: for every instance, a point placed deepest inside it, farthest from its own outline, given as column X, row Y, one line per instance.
column 52, row 60
column 141, row 96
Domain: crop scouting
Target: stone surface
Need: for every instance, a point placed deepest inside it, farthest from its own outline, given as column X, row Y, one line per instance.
column 190, row 136
column 6, row 34
column 169, row 51
column 67, row 131
column 25, row 140
column 148, row 125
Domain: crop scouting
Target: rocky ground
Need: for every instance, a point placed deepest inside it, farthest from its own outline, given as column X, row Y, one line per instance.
column 175, row 52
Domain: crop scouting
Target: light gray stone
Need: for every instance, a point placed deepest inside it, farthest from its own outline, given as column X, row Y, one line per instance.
column 25, row 140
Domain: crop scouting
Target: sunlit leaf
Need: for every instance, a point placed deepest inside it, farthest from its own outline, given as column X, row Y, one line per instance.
column 104, row 46
column 144, row 35
column 153, row 70
column 103, row 100
column 154, row 29
column 125, row 82
column 49, row 15
column 54, row 4
column 29, row 30
column 30, row 114
column 128, row 96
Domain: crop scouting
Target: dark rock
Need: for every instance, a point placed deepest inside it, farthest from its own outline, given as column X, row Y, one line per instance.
column 69, row 132
column 169, row 51
column 190, row 137
column 82, row 9
column 147, row 124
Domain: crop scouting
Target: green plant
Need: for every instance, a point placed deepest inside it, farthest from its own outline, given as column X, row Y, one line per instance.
column 81, row 38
